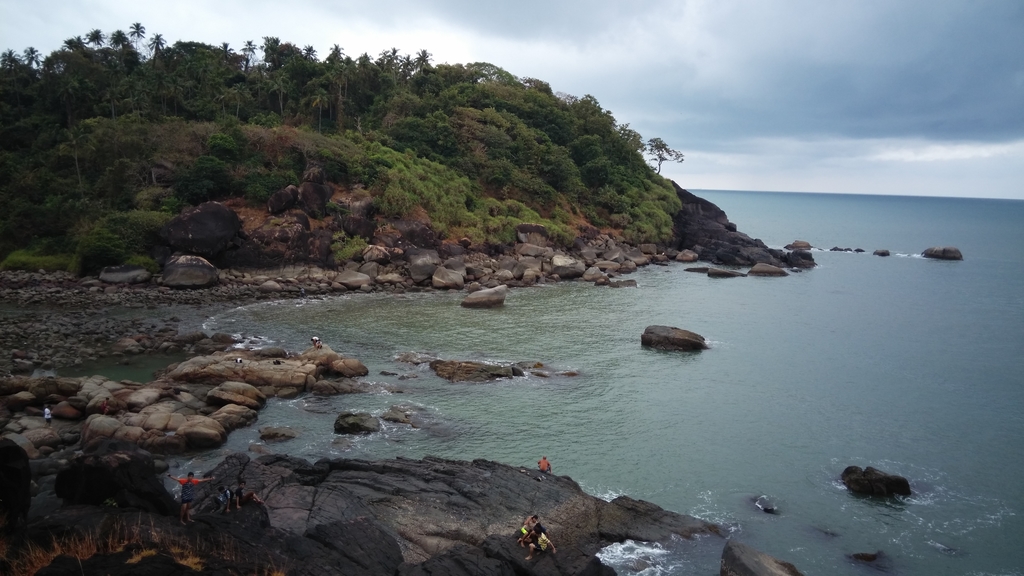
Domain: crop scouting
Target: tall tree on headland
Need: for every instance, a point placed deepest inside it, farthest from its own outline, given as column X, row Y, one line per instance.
column 661, row 153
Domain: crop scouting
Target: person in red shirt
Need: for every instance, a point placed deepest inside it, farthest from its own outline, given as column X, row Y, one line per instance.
column 188, row 494
column 544, row 465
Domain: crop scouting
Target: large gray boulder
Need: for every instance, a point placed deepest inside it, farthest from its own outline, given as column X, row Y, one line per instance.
column 206, row 229
column 669, row 338
column 312, row 199
column 283, row 199
column 762, row 269
column 567, row 267
column 447, row 279
column 188, row 271
column 943, row 253
column 353, row 280
column 422, row 264
column 356, row 423
column 874, row 482
column 742, row 560
column 487, row 298
column 125, row 274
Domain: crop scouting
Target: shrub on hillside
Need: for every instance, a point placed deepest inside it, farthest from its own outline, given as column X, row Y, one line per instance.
column 98, row 248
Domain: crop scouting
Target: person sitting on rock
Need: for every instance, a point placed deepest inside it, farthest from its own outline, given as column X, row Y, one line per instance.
column 226, row 498
column 188, row 494
column 543, row 465
column 317, row 343
column 243, row 497
column 527, row 527
column 538, row 541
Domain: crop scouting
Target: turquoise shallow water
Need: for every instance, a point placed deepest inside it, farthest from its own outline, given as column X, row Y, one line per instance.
column 910, row 365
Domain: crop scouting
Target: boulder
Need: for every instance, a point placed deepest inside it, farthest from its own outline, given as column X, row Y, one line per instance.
column 874, row 482
column 762, row 269
column 348, row 367
column 65, row 411
column 377, row 254
column 469, row 371
column 742, row 560
column 532, row 234
column 567, row 267
column 187, row 271
column 283, row 199
column 649, row 249
column 202, row 432
column 622, row 284
column 486, row 298
column 593, row 273
column 236, row 393
column 25, row 444
column 312, row 199
column 205, row 230
column 356, row 423
column 943, row 253
column 422, row 264
column 272, row 433
column 127, row 346
column 20, row 400
column 531, row 250
column 669, row 338
column 882, row 252
column 720, row 273
column 447, row 279
column 98, row 427
column 269, row 287
column 125, row 274
column 40, row 437
column 353, row 280
column 799, row 245
column 115, row 471
column 527, row 265
column 234, row 416
column 799, row 259
column 15, row 485
column 686, row 256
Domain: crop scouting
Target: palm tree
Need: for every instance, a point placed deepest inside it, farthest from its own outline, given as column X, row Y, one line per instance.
column 69, row 88
column 279, row 84
column 309, row 53
column 337, row 53
column 74, row 43
column 271, row 47
column 9, row 60
column 74, row 137
column 156, row 44
column 118, row 39
column 422, row 60
column 319, row 99
column 249, row 50
column 31, row 57
column 137, row 32
column 227, row 50
column 95, row 37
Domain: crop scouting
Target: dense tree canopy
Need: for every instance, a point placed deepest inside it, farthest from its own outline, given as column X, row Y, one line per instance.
column 129, row 123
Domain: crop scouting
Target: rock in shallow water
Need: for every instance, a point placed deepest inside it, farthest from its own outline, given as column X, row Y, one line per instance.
column 874, row 482
column 487, row 298
column 943, row 253
column 742, row 560
column 670, row 338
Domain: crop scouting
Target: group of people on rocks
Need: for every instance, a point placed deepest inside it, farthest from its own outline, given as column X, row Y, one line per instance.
column 534, row 536
column 225, row 496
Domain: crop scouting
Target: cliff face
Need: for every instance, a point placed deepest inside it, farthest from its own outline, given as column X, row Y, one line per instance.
column 704, row 228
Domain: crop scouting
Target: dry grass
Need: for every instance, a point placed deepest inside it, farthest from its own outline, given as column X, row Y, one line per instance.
column 144, row 553
column 26, row 560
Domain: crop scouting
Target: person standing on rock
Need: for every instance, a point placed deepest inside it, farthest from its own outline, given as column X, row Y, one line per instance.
column 543, row 465
column 47, row 415
column 188, row 494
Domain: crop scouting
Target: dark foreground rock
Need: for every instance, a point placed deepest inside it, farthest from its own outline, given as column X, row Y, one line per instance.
column 117, row 473
column 874, row 482
column 356, row 517
column 742, row 560
column 943, row 253
column 670, row 338
column 15, row 485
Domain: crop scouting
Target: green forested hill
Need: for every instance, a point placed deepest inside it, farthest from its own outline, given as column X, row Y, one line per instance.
column 102, row 140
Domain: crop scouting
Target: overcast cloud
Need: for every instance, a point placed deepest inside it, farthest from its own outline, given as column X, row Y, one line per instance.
column 891, row 97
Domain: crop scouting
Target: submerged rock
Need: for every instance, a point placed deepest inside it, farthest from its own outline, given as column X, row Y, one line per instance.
column 469, row 371
column 356, row 423
column 742, row 560
column 720, row 273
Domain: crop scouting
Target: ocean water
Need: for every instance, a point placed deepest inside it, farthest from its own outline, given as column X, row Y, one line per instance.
column 910, row 365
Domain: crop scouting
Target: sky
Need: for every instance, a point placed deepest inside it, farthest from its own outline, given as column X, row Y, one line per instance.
column 901, row 97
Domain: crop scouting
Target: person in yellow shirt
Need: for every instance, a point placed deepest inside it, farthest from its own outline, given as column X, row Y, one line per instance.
column 538, row 541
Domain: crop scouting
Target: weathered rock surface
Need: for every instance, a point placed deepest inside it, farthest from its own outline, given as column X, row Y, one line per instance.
column 117, row 471
column 874, row 482
column 741, row 560
column 125, row 274
column 722, row 273
column 469, row 371
column 271, row 433
column 669, row 338
column 205, row 230
column 237, row 393
column 356, row 423
column 567, row 267
column 187, row 271
column 762, row 269
column 799, row 245
column 486, row 298
column 943, row 253
column 447, row 279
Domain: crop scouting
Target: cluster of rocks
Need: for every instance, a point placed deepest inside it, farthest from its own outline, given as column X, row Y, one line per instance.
column 936, row 252
column 354, row 517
